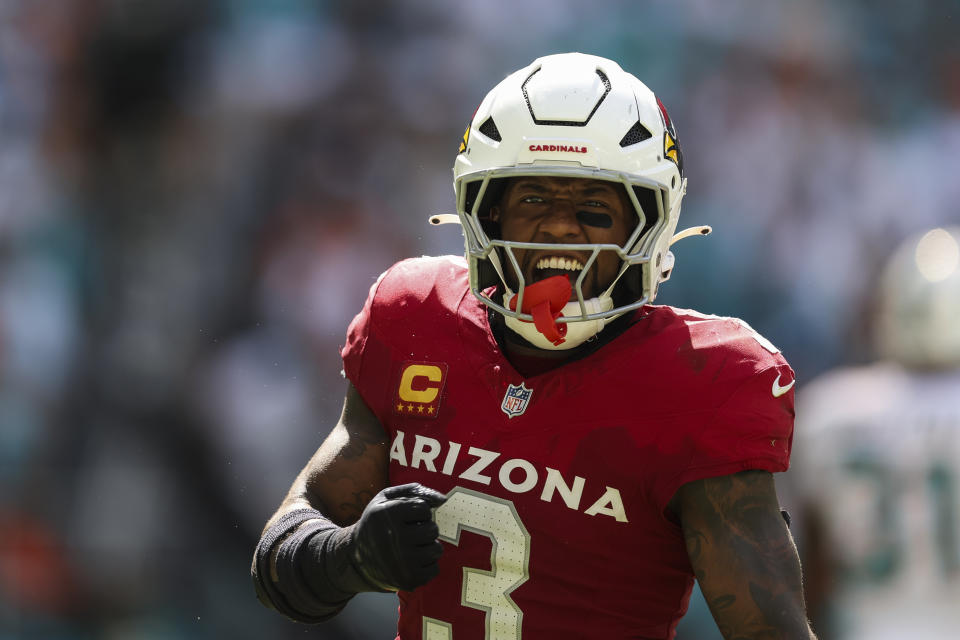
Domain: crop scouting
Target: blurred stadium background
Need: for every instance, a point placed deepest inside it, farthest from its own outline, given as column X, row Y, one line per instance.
column 195, row 197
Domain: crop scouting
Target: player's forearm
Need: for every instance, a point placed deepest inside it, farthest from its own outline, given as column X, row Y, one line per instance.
column 750, row 610
column 756, row 594
column 744, row 557
column 307, row 567
column 304, row 566
column 339, row 480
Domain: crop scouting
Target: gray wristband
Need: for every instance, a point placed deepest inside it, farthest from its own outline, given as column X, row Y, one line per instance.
column 290, row 594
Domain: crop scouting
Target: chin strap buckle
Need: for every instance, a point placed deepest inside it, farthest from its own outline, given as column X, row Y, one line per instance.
column 544, row 300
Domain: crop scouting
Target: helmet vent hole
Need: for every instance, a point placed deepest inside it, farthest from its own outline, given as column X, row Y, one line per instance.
column 489, row 129
column 673, row 182
column 637, row 133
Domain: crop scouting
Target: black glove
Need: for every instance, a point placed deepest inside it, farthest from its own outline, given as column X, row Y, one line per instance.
column 395, row 542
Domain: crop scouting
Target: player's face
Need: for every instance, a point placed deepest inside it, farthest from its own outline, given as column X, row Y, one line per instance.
column 570, row 211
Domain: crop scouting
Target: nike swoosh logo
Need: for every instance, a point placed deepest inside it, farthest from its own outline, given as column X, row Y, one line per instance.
column 778, row 390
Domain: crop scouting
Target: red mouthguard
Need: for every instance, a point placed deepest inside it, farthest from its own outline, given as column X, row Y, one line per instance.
column 544, row 300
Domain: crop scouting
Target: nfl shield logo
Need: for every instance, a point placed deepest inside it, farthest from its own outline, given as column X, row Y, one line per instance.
column 516, row 399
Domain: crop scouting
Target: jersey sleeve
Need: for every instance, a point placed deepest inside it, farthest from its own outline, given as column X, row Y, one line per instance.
column 410, row 296
column 750, row 429
column 365, row 353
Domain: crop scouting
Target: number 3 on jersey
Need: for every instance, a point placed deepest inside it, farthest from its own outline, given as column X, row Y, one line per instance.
column 488, row 591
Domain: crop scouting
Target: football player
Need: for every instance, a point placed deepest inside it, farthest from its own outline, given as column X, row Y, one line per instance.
column 878, row 462
column 529, row 448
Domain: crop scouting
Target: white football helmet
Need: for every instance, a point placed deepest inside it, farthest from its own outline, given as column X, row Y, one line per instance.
column 581, row 116
column 919, row 301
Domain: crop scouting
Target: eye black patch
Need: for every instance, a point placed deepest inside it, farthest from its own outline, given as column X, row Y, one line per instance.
column 594, row 219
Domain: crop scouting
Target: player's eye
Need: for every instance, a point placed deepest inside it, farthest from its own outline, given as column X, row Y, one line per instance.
column 532, row 199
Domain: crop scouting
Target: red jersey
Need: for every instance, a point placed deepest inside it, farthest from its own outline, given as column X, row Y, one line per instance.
column 557, row 483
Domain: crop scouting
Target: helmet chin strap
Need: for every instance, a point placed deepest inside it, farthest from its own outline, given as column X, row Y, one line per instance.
column 547, row 300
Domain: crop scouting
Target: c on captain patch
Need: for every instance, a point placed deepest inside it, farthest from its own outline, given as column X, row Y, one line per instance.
column 420, row 389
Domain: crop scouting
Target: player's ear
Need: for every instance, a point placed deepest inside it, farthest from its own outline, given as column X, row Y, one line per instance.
column 495, row 213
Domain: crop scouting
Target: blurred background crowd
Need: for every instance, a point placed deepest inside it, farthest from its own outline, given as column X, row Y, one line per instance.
column 195, row 197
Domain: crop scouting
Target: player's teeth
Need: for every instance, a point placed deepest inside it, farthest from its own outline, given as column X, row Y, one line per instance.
column 558, row 262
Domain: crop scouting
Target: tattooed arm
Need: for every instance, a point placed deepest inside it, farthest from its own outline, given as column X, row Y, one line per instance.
column 348, row 469
column 743, row 556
